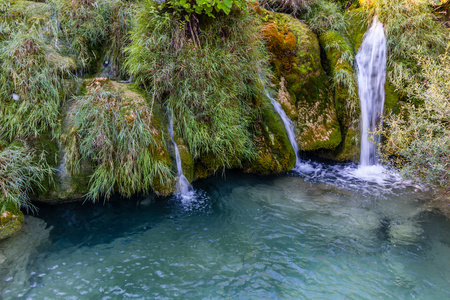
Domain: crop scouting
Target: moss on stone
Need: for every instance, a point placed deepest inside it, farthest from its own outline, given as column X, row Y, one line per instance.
column 10, row 219
column 275, row 152
column 187, row 162
column 296, row 57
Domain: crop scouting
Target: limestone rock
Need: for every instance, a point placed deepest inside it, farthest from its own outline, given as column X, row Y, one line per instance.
column 296, row 57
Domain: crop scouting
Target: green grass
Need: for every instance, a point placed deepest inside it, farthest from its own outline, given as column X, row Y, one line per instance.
column 209, row 84
column 21, row 169
column 26, row 72
column 115, row 134
column 83, row 28
column 293, row 7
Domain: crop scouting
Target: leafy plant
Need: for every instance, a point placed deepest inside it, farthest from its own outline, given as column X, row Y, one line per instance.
column 186, row 8
column 418, row 140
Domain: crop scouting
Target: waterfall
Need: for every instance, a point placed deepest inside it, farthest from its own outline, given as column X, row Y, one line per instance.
column 371, row 66
column 287, row 124
column 183, row 186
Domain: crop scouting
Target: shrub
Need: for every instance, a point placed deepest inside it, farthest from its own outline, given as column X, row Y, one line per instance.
column 36, row 85
column 418, row 140
column 114, row 132
column 84, row 27
column 20, row 169
column 209, row 88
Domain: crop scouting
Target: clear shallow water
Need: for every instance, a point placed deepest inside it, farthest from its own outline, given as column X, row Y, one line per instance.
column 246, row 237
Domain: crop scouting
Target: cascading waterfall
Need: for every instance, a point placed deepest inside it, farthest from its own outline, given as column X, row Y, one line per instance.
column 183, row 186
column 371, row 66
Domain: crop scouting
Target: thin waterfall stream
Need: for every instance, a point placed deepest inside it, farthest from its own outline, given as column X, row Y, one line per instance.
column 288, row 125
column 371, row 67
column 183, row 186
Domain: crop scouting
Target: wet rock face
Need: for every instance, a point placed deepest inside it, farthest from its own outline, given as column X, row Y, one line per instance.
column 304, row 89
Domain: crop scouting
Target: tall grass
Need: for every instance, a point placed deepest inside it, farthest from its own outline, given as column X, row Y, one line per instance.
column 84, row 27
column 115, row 134
column 210, row 87
column 21, row 169
column 26, row 73
column 324, row 15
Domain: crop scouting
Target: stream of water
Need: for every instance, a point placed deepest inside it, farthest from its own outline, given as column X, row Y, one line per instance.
column 321, row 232
column 371, row 67
column 184, row 188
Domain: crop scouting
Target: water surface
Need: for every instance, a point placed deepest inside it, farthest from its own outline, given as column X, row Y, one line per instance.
column 296, row 236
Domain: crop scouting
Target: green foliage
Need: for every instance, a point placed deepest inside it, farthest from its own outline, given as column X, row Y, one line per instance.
column 412, row 31
column 185, row 8
column 341, row 58
column 83, row 27
column 324, row 15
column 209, row 89
column 26, row 72
column 418, row 140
column 20, row 169
column 114, row 133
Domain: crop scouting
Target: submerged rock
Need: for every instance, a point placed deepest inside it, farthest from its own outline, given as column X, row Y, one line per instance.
column 19, row 251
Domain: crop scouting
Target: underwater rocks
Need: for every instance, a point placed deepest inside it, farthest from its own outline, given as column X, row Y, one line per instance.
column 18, row 251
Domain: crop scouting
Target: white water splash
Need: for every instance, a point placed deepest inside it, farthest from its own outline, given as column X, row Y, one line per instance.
column 371, row 66
column 184, row 188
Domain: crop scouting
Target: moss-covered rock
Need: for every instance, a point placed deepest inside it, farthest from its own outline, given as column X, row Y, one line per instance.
column 275, row 153
column 187, row 162
column 339, row 61
column 296, row 57
column 72, row 180
column 10, row 219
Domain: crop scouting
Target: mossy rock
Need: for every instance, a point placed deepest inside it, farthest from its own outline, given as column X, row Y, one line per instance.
column 62, row 187
column 72, row 186
column 348, row 149
column 187, row 162
column 275, row 152
column 60, row 63
column 10, row 219
column 296, row 57
column 339, row 64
